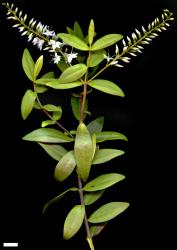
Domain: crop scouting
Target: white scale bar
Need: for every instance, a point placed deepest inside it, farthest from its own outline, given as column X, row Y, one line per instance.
column 10, row 244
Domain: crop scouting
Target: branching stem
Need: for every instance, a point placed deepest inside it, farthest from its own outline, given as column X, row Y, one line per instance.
column 82, row 110
column 89, row 237
column 57, row 123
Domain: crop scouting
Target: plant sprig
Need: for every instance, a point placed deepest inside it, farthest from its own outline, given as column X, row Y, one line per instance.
column 80, row 60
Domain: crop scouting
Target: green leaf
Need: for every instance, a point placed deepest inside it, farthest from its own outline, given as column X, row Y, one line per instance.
column 57, row 198
column 57, row 115
column 73, row 41
column 96, row 57
column 93, row 144
column 92, row 71
column 57, row 85
column 97, row 229
column 106, row 87
column 62, row 65
column 91, row 32
column 48, row 75
column 47, row 123
column 103, row 181
column 38, row 66
column 104, row 155
column 28, row 64
column 51, row 107
column 47, row 135
column 78, row 31
column 108, row 212
column 36, row 105
column 106, row 41
column 73, row 221
column 109, row 135
column 70, row 31
column 27, row 104
column 55, row 151
column 75, row 105
column 73, row 73
column 83, row 151
column 96, row 125
column 90, row 198
column 44, row 80
column 40, row 89
column 65, row 166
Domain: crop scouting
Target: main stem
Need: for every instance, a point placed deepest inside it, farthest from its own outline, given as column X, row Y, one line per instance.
column 81, row 194
column 89, row 237
column 84, row 97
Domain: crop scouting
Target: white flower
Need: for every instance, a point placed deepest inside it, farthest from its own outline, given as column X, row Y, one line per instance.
column 108, row 57
column 40, row 27
column 119, row 65
column 55, row 44
column 49, row 32
column 114, row 63
column 38, row 42
column 30, row 37
column 70, row 56
column 21, row 29
column 56, row 59
column 35, row 41
column 117, row 49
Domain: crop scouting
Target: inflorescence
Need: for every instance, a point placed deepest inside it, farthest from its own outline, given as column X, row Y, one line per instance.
column 133, row 44
column 45, row 38
column 39, row 34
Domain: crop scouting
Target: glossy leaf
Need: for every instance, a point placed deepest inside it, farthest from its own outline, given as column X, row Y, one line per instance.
column 90, row 198
column 109, row 135
column 91, row 32
column 57, row 115
column 28, row 64
column 106, row 87
column 36, row 105
column 47, row 135
column 47, row 123
column 51, row 107
column 78, row 31
column 62, row 65
column 97, row 229
column 65, row 166
column 27, row 104
column 83, row 151
column 55, row 151
column 44, row 80
column 70, row 31
column 75, row 105
column 48, row 75
column 104, row 155
column 57, row 198
column 38, row 66
column 106, row 41
column 57, row 85
column 73, row 221
column 73, row 41
column 73, row 73
column 40, row 89
column 96, row 57
column 108, row 212
column 96, row 125
column 93, row 144
column 103, row 181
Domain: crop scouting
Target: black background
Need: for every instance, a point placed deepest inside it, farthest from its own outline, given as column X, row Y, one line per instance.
column 146, row 115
